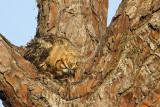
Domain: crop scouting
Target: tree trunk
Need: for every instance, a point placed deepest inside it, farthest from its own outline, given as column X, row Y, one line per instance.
column 116, row 66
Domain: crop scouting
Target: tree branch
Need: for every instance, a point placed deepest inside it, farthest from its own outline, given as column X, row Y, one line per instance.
column 123, row 71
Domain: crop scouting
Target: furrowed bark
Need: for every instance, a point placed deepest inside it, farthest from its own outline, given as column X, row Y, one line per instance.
column 120, row 65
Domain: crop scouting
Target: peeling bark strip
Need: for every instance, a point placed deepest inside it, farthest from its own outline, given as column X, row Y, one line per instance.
column 120, row 68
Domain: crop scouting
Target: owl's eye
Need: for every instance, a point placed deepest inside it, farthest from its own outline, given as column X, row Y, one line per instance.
column 63, row 66
column 65, row 63
column 65, row 70
column 60, row 65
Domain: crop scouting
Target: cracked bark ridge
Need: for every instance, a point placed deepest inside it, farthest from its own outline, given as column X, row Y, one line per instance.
column 139, row 65
column 125, row 73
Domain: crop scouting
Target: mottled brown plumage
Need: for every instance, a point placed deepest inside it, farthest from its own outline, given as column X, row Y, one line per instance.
column 55, row 56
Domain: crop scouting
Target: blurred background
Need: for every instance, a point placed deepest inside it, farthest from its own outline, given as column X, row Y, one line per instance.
column 18, row 20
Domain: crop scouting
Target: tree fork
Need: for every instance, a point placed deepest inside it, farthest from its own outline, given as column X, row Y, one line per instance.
column 119, row 68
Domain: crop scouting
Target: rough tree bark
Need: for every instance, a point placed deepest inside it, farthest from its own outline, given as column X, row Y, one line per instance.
column 119, row 65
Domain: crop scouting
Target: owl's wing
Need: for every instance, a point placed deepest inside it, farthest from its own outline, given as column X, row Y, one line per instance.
column 38, row 51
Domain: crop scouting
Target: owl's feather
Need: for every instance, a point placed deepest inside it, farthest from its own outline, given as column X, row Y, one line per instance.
column 52, row 55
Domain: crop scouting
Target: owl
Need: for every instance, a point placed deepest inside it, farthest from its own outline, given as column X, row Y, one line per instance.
column 54, row 56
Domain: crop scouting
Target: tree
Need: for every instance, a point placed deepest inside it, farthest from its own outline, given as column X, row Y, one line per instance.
column 118, row 65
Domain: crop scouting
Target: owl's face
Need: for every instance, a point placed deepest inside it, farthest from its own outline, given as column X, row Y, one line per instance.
column 67, row 65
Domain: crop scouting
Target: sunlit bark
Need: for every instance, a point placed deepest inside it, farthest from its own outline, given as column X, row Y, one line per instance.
column 118, row 66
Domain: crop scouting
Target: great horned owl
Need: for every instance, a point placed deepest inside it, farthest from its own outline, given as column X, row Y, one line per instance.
column 55, row 56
